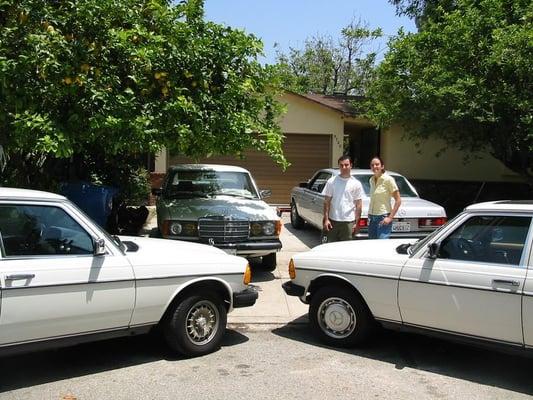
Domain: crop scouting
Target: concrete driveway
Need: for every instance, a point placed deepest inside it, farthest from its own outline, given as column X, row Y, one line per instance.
column 274, row 307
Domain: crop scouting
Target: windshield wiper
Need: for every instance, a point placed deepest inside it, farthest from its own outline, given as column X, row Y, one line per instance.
column 242, row 196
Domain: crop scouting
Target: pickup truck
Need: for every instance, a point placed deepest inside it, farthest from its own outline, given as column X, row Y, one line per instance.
column 65, row 281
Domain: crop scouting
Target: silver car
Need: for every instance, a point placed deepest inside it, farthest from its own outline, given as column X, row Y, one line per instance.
column 218, row 205
column 415, row 218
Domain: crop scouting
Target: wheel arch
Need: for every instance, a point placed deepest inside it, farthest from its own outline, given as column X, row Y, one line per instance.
column 330, row 280
column 215, row 285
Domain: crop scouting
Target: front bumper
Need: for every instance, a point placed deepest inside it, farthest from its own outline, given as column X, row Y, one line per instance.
column 246, row 298
column 251, row 249
column 293, row 289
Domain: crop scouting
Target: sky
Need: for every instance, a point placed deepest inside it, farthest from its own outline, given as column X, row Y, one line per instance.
column 290, row 22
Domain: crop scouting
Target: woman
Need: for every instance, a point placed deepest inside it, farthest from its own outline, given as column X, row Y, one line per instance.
column 383, row 188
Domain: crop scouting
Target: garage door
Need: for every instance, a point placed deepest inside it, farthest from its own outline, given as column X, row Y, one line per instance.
column 306, row 153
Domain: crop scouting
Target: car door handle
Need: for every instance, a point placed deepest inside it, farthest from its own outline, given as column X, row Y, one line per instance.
column 16, row 277
column 505, row 282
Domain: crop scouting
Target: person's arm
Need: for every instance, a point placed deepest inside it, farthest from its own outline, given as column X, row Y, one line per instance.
column 326, row 224
column 358, row 210
column 397, row 203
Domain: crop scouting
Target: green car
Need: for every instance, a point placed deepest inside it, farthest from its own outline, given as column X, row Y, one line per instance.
column 218, row 205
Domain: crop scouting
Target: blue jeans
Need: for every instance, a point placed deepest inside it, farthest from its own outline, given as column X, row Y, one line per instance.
column 377, row 231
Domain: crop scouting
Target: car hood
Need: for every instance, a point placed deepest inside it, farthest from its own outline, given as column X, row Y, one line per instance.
column 355, row 255
column 412, row 207
column 153, row 257
column 192, row 209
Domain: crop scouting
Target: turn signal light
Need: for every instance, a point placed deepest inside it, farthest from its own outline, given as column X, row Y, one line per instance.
column 292, row 269
column 247, row 275
column 278, row 227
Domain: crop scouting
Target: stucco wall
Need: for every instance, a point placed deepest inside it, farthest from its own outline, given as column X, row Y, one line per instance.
column 400, row 155
column 306, row 116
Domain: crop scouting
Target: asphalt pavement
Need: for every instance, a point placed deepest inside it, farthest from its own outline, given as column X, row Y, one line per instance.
column 273, row 307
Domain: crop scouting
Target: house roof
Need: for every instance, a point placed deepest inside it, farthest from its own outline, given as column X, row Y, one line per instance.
column 337, row 102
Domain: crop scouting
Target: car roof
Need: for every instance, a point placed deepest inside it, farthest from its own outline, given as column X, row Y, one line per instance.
column 212, row 167
column 8, row 193
column 358, row 171
column 503, row 205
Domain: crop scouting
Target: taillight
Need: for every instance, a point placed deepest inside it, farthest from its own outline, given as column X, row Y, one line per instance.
column 363, row 222
column 431, row 222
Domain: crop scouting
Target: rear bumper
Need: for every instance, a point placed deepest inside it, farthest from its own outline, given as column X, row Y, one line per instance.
column 246, row 298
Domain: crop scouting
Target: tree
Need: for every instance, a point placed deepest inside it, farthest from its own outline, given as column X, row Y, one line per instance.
column 422, row 10
column 466, row 79
column 124, row 77
column 326, row 67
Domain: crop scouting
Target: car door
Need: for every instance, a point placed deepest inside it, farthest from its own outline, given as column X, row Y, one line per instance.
column 51, row 283
column 313, row 199
column 474, row 285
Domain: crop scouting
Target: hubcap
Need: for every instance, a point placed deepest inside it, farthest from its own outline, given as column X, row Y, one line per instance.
column 202, row 322
column 336, row 317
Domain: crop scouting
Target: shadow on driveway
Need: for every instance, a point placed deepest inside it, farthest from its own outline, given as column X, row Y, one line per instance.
column 406, row 350
column 42, row 367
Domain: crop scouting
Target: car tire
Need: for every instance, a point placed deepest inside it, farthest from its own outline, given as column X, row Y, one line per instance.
column 297, row 222
column 196, row 325
column 339, row 317
column 269, row 262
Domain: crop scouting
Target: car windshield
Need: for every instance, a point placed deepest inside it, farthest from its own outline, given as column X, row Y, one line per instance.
column 207, row 183
column 403, row 186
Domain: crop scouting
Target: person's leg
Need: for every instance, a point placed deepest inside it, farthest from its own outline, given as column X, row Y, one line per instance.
column 373, row 221
column 331, row 235
column 345, row 230
column 384, row 231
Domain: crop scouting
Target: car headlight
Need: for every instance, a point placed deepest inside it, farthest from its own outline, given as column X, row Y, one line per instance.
column 269, row 228
column 179, row 228
column 263, row 228
column 175, row 228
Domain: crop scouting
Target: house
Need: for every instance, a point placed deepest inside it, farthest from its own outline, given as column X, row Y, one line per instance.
column 319, row 128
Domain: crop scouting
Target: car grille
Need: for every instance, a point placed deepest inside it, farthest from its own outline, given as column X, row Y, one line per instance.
column 223, row 229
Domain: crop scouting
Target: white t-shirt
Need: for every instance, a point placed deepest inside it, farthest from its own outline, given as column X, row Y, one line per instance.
column 343, row 192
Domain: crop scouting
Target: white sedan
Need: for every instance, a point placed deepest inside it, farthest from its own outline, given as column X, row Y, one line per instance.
column 469, row 280
column 415, row 218
column 64, row 281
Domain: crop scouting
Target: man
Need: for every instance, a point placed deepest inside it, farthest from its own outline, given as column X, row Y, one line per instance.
column 343, row 204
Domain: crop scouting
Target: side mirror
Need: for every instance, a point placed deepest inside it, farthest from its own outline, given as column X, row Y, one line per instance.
column 434, row 250
column 157, row 191
column 265, row 193
column 303, row 184
column 99, row 247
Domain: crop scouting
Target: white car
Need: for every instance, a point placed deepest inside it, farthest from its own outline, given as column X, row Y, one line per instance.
column 415, row 218
column 470, row 280
column 64, row 281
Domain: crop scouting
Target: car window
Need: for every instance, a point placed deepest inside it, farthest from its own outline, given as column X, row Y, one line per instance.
column 27, row 230
column 404, row 187
column 488, row 239
column 189, row 183
column 319, row 181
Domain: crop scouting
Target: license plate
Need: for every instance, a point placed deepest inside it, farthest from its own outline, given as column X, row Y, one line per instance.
column 231, row 251
column 401, row 227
